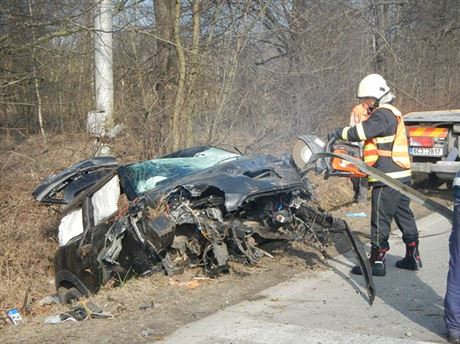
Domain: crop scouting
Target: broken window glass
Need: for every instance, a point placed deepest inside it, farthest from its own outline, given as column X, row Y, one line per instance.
column 147, row 175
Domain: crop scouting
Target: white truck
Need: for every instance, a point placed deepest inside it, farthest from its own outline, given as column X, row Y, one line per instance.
column 434, row 145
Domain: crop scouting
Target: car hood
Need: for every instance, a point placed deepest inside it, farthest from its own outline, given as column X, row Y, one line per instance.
column 238, row 179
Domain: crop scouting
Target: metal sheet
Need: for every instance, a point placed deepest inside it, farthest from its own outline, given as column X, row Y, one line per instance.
column 433, row 116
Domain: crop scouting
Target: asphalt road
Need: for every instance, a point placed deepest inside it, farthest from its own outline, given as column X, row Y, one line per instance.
column 331, row 306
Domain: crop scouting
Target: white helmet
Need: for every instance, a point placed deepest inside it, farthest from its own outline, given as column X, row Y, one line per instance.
column 373, row 86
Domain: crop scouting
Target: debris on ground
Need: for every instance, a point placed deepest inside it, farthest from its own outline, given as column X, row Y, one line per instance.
column 49, row 300
column 82, row 311
column 15, row 316
column 146, row 305
column 359, row 214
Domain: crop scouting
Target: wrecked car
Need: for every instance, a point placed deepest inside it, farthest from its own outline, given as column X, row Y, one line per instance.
column 201, row 206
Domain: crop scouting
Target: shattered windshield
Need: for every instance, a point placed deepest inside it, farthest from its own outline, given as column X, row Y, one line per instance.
column 147, row 175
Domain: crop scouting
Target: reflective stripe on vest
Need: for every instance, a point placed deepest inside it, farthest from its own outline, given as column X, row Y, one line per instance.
column 385, row 139
column 400, row 151
column 394, row 175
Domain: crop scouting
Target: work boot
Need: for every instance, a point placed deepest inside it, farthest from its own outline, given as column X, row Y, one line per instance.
column 376, row 260
column 412, row 259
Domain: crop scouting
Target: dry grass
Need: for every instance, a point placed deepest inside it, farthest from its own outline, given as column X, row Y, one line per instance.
column 27, row 230
column 333, row 193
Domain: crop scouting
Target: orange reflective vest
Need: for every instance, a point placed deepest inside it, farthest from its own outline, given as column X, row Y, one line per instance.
column 399, row 153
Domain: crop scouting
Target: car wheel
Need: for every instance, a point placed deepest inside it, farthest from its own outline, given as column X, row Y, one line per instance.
column 69, row 296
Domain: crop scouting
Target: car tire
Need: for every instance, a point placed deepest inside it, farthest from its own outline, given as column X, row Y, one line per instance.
column 69, row 296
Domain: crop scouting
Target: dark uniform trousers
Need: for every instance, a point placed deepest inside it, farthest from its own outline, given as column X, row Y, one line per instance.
column 452, row 300
column 389, row 204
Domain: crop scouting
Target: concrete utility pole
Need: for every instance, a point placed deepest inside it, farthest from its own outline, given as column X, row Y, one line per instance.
column 103, row 50
column 100, row 122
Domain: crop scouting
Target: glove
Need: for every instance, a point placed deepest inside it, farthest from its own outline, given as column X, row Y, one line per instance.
column 361, row 110
column 359, row 113
column 336, row 134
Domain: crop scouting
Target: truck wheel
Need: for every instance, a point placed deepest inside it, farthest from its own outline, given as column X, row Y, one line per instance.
column 434, row 181
column 419, row 179
column 426, row 181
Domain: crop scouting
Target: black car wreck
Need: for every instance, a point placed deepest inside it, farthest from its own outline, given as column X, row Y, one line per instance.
column 199, row 206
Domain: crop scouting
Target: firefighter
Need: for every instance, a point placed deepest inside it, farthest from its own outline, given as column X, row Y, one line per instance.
column 359, row 114
column 386, row 149
column 452, row 299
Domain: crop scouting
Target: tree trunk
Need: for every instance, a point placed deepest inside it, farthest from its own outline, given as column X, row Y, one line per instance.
column 177, row 118
column 34, row 70
column 164, row 22
column 191, row 101
column 380, row 36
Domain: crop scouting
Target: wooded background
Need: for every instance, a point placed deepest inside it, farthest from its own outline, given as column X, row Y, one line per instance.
column 255, row 73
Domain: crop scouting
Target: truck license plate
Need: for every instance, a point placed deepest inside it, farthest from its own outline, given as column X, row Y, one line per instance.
column 419, row 151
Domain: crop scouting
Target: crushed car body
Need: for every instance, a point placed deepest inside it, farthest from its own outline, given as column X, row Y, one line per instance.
column 201, row 206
